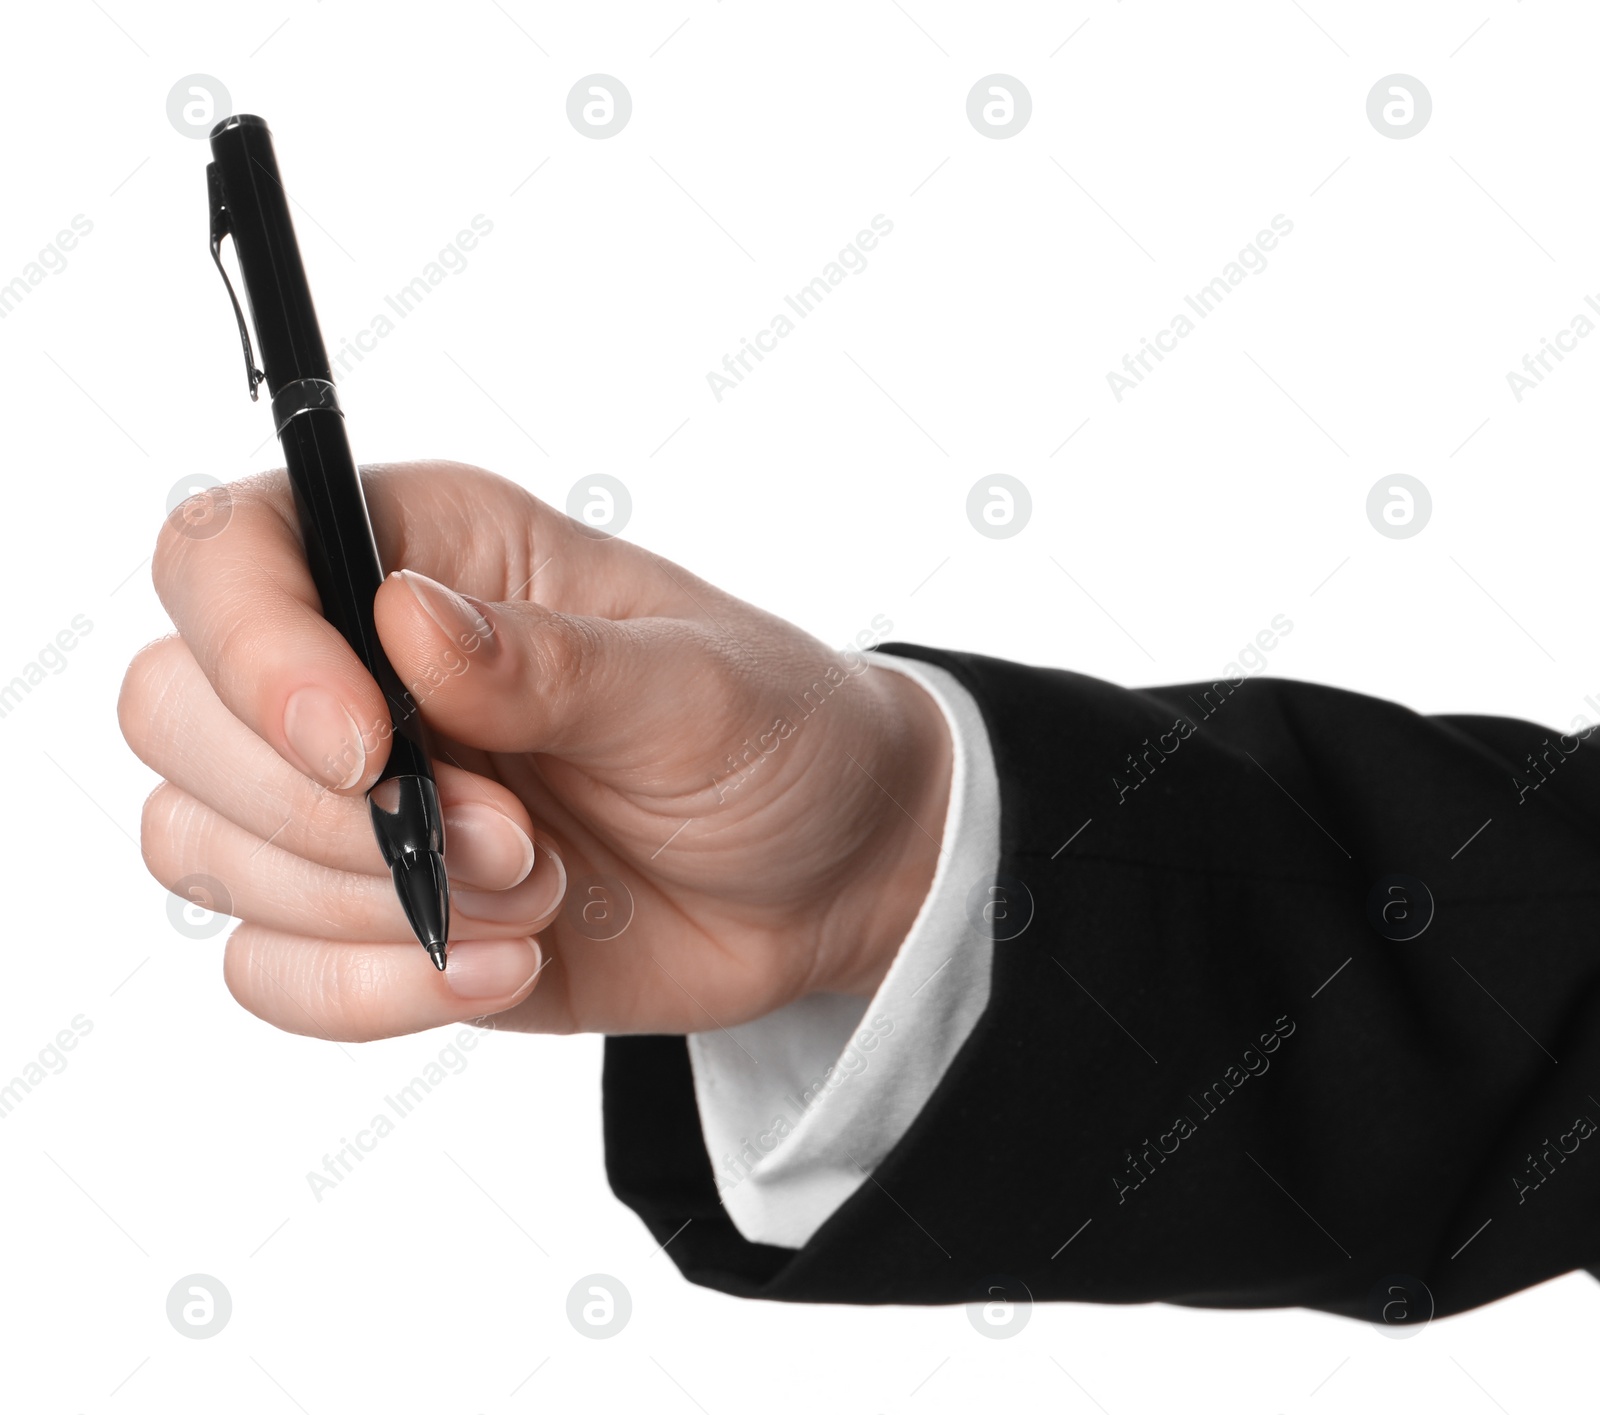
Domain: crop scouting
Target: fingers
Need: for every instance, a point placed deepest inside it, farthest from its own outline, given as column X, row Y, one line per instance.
column 522, row 677
column 183, row 837
column 244, row 602
column 178, row 726
column 357, row 992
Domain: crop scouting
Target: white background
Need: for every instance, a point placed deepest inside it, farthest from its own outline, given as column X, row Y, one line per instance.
column 829, row 487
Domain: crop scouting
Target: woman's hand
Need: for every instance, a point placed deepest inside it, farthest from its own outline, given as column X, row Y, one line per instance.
column 607, row 728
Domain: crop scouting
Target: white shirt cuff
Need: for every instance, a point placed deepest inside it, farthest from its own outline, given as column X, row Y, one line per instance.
column 798, row 1107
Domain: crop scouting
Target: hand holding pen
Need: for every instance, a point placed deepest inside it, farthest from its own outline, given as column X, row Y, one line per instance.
column 747, row 816
column 613, row 818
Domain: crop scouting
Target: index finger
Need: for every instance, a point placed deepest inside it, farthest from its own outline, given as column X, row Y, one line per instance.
column 245, row 604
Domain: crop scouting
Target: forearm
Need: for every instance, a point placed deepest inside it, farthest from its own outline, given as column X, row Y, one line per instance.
column 1116, row 1102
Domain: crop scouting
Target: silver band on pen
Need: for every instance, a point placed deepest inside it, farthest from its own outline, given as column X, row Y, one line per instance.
column 304, row 395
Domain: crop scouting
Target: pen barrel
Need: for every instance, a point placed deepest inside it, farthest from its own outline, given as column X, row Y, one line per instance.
column 341, row 550
column 288, row 337
column 342, row 555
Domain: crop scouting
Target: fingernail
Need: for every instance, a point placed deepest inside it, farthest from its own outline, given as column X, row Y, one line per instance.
column 535, row 897
column 495, row 967
column 464, row 625
column 484, row 847
column 325, row 737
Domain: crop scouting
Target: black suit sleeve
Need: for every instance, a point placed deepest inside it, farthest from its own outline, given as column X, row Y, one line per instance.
column 1220, row 1066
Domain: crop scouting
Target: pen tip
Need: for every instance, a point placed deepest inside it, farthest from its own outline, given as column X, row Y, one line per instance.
column 424, row 892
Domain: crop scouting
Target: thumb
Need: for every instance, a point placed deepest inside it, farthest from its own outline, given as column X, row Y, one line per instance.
column 519, row 677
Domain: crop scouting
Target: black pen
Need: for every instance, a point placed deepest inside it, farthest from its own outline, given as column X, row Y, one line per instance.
column 248, row 203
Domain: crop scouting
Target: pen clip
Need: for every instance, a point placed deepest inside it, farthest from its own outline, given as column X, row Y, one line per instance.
column 220, row 227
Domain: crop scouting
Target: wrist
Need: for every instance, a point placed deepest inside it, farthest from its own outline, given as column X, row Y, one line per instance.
column 880, row 903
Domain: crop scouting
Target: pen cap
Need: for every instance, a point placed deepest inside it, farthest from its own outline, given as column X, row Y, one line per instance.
column 255, row 212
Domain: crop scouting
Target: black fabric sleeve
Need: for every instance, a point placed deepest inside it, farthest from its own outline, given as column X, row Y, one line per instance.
column 1219, row 1066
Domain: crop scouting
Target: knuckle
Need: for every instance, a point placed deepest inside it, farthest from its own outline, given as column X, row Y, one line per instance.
column 347, row 899
column 562, row 647
column 230, row 651
column 317, row 817
column 291, row 983
column 144, row 684
column 163, row 823
column 169, row 557
column 239, row 967
column 268, row 981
